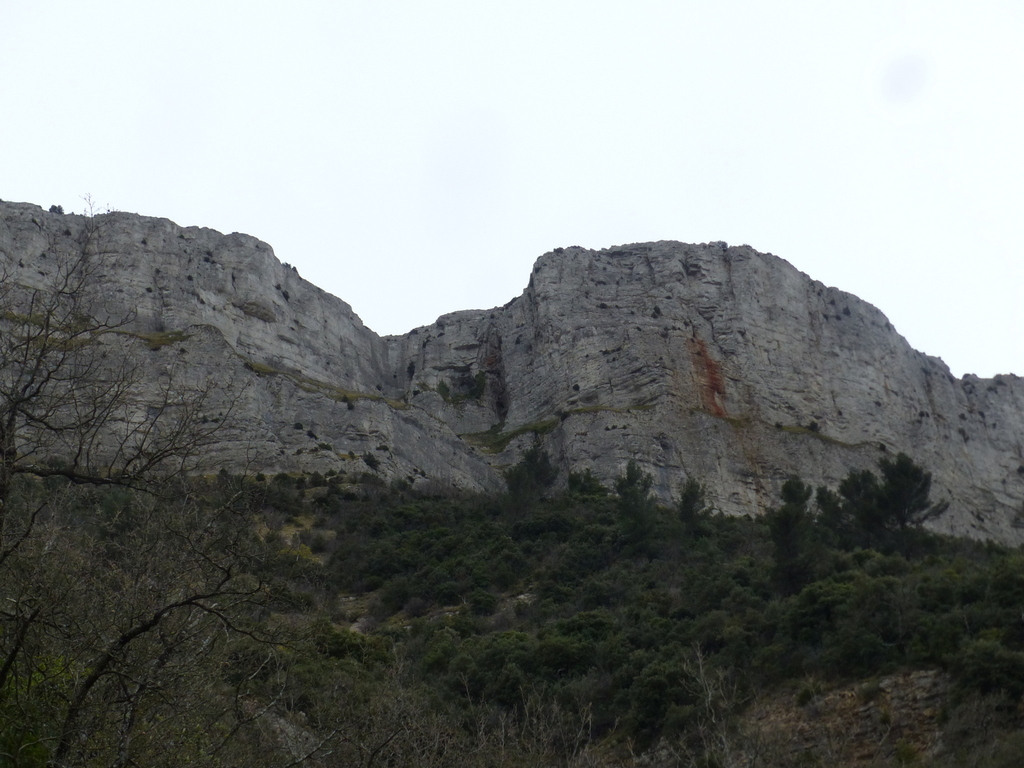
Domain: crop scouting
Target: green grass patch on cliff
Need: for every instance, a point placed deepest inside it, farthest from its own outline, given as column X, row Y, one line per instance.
column 477, row 387
column 794, row 429
column 608, row 409
column 737, row 421
column 496, row 441
column 307, row 384
column 160, row 339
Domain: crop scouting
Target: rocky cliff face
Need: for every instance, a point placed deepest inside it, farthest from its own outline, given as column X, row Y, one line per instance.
column 727, row 365
column 705, row 361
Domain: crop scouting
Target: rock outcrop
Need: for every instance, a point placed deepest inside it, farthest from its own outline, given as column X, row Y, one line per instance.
column 705, row 361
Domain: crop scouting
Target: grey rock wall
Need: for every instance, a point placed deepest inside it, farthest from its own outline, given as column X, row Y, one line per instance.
column 705, row 361
column 723, row 364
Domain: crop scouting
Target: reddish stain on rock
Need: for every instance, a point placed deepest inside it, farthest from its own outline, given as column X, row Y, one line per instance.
column 709, row 378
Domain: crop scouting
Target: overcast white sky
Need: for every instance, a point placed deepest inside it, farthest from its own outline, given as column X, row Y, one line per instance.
column 414, row 158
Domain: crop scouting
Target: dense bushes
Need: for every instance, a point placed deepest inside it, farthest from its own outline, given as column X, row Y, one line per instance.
column 605, row 598
column 588, row 616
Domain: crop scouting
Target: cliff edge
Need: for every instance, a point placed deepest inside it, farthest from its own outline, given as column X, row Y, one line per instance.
column 707, row 361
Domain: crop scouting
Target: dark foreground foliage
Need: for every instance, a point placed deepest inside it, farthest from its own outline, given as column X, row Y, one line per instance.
column 332, row 621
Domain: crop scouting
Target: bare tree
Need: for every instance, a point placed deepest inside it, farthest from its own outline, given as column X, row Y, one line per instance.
column 74, row 402
column 123, row 583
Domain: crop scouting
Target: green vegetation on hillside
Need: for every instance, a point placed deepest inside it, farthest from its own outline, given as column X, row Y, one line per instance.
column 571, row 624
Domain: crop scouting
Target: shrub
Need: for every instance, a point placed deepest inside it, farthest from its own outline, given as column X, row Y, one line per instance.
column 691, row 505
column 528, row 479
column 585, row 484
column 479, row 386
column 637, row 507
column 482, row 602
column 987, row 666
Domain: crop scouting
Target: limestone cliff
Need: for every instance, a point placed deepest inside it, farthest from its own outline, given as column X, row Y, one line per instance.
column 715, row 362
column 727, row 365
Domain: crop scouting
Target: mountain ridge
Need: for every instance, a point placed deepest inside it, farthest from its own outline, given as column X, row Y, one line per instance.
column 707, row 361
